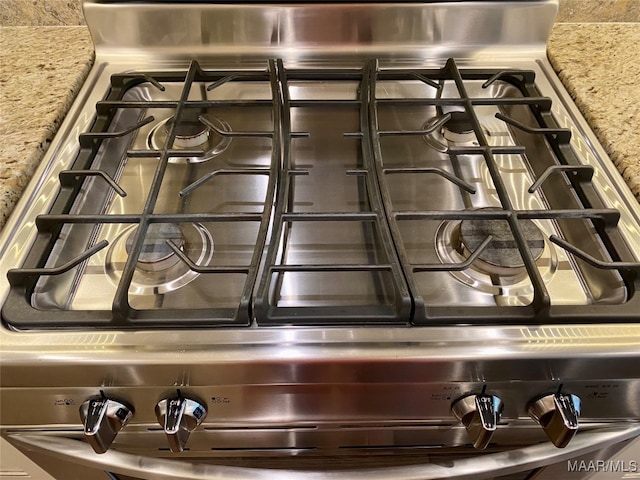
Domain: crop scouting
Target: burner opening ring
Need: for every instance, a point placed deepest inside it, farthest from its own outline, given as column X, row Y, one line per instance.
column 485, row 277
column 191, row 134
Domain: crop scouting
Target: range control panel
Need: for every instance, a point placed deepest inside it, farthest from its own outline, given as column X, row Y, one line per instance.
column 231, row 416
column 180, row 414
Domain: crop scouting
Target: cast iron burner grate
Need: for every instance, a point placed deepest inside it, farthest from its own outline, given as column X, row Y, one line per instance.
column 402, row 302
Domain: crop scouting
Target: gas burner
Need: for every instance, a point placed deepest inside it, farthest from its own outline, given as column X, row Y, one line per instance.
column 159, row 270
column 458, row 132
column 501, row 256
column 499, row 269
column 458, row 129
column 156, row 254
column 191, row 134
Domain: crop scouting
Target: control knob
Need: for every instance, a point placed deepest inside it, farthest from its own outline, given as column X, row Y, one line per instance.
column 557, row 414
column 103, row 418
column 179, row 416
column 480, row 414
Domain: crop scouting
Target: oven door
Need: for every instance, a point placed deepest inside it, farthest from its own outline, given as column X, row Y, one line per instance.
column 588, row 452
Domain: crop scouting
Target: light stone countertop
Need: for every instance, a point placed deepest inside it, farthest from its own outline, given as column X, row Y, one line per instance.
column 41, row 71
column 599, row 64
column 42, row 68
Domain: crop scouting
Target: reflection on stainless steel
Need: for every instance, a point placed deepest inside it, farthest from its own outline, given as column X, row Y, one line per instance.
column 345, row 188
column 309, row 31
column 485, row 467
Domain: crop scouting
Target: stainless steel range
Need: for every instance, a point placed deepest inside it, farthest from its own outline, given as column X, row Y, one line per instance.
column 321, row 229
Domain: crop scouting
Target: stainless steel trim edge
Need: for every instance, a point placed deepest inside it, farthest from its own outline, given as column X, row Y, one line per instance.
column 486, row 466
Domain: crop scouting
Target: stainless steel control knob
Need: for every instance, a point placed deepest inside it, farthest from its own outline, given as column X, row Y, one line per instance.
column 558, row 415
column 103, row 418
column 179, row 416
column 480, row 415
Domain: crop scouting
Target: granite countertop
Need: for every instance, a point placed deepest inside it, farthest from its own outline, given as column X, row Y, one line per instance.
column 41, row 71
column 42, row 68
column 599, row 65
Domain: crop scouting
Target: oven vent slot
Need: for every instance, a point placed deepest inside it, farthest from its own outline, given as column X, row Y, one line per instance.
column 261, row 428
column 263, row 449
column 390, row 447
column 396, row 426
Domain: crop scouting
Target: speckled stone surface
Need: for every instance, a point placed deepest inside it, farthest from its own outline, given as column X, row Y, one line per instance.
column 39, row 78
column 599, row 65
column 599, row 11
column 69, row 12
column 41, row 12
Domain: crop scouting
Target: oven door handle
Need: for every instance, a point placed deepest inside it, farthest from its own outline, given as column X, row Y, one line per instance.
column 486, row 466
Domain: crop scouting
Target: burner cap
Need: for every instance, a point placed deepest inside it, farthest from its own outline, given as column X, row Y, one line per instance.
column 459, row 123
column 190, row 131
column 511, row 284
column 502, row 251
column 458, row 128
column 156, row 255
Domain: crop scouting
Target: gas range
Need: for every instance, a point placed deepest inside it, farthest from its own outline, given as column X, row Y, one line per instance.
column 331, row 229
